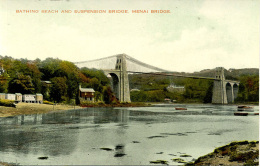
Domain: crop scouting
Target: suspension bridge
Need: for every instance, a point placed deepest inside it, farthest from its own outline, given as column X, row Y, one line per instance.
column 119, row 66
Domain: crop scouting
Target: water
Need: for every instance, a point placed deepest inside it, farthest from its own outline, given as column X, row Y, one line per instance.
column 133, row 136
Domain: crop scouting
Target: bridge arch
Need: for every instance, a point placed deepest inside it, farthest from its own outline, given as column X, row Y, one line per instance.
column 235, row 90
column 115, row 84
column 229, row 92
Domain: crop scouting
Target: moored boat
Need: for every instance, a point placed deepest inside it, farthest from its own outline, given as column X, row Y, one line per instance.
column 244, row 108
column 240, row 113
column 180, row 108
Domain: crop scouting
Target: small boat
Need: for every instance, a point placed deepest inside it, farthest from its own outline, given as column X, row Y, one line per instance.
column 180, row 108
column 244, row 108
column 240, row 113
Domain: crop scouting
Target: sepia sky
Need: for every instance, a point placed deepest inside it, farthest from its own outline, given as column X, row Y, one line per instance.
column 196, row 35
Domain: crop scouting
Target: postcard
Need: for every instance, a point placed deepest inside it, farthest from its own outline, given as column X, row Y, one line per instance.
column 130, row 82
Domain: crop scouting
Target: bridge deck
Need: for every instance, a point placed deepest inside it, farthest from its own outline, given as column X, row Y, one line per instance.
column 176, row 75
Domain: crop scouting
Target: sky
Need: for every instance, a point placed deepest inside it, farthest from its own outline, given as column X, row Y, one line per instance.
column 195, row 35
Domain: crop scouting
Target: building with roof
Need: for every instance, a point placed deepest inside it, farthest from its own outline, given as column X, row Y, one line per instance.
column 46, row 88
column 86, row 94
column 175, row 88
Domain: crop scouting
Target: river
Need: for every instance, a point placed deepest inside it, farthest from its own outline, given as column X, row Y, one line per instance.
column 122, row 136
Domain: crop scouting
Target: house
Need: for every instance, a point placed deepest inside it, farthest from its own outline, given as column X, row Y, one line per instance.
column 134, row 90
column 46, row 88
column 175, row 88
column 86, row 94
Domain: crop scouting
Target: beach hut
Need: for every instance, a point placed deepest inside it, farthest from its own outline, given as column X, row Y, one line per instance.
column 18, row 97
column 39, row 98
column 29, row 98
column 10, row 96
column 2, row 96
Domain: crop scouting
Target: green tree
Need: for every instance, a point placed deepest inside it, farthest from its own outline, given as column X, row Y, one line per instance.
column 209, row 93
column 59, row 89
column 22, row 84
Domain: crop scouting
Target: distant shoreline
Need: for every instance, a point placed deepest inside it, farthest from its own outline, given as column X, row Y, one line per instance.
column 34, row 108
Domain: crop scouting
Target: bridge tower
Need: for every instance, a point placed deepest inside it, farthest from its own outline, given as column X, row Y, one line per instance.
column 124, row 92
column 219, row 95
column 120, row 82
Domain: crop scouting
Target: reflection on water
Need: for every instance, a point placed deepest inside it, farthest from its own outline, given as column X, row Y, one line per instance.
column 122, row 136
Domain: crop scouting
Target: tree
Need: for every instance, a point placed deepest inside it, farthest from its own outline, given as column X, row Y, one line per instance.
column 109, row 97
column 209, row 93
column 22, row 84
column 59, row 89
column 248, row 89
column 34, row 72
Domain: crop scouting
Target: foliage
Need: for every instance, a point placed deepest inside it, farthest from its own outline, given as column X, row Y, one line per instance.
column 109, row 97
column 59, row 89
column 248, row 89
column 196, row 90
column 3, row 85
column 154, row 89
column 25, row 76
column 243, row 152
column 47, row 102
column 22, row 84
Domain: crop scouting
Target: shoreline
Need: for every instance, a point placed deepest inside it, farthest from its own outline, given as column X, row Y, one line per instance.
column 34, row 108
column 235, row 153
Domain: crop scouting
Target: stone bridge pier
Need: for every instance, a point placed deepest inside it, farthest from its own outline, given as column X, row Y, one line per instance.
column 224, row 91
column 120, row 82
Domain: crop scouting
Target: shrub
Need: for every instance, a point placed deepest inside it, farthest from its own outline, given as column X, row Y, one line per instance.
column 7, row 103
column 47, row 102
column 100, row 103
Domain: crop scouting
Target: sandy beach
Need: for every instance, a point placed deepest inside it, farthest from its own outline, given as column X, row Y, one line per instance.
column 33, row 108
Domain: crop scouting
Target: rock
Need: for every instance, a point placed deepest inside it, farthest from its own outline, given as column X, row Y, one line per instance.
column 235, row 153
column 185, row 155
column 119, row 155
column 156, row 137
column 159, row 162
column 119, row 147
column 107, row 149
column 43, row 158
column 179, row 160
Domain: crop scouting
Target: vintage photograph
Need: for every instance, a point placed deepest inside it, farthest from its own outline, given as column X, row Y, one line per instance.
column 129, row 82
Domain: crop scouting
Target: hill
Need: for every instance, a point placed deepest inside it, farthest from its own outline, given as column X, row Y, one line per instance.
column 154, row 87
